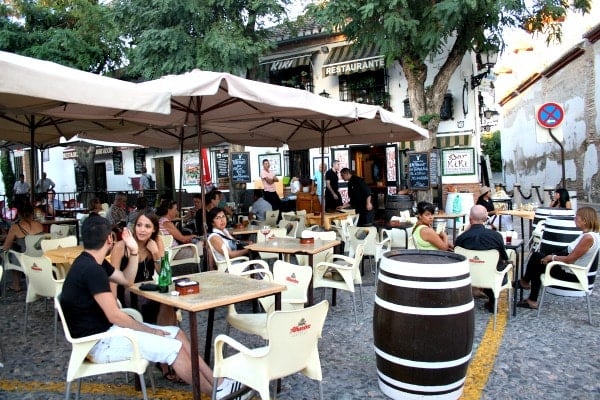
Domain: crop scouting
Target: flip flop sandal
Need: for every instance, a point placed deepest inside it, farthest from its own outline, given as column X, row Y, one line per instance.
column 525, row 304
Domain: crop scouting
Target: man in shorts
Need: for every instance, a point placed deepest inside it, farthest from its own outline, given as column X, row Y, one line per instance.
column 90, row 307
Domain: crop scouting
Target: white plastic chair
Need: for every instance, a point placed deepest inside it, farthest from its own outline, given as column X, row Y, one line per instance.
column 484, row 274
column 192, row 259
column 291, row 227
column 582, row 283
column 319, row 257
column 380, row 248
column 366, row 236
column 81, row 367
column 223, row 265
column 1, row 346
column 299, row 330
column 348, row 268
column 271, row 218
column 398, row 237
column 260, row 238
column 41, row 283
column 12, row 260
column 296, row 278
column 59, row 231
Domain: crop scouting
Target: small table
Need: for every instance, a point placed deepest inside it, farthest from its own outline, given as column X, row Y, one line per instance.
column 313, row 219
column 530, row 215
column 64, row 255
column 287, row 245
column 71, row 212
column 451, row 216
column 249, row 230
column 61, row 221
column 514, row 245
column 217, row 289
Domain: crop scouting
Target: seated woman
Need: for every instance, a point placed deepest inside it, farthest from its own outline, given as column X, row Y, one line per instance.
column 485, row 199
column 217, row 235
column 167, row 211
column 424, row 236
column 15, row 238
column 149, row 252
column 579, row 252
column 561, row 199
column 95, row 206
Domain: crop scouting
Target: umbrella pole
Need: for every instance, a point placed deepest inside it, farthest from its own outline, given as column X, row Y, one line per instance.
column 179, row 199
column 32, row 157
column 323, row 183
column 199, row 132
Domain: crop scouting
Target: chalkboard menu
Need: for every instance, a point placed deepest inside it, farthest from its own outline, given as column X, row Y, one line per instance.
column 139, row 159
column 117, row 157
column 222, row 162
column 418, row 171
column 433, row 167
column 240, row 167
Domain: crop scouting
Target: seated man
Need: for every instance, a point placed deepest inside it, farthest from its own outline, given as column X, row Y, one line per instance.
column 478, row 237
column 260, row 206
column 90, row 308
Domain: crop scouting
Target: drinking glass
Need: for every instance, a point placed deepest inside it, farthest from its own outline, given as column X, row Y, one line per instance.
column 265, row 230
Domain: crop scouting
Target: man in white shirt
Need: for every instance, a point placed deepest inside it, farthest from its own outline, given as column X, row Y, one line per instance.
column 21, row 189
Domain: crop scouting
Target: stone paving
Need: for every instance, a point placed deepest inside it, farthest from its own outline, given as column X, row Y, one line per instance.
column 555, row 356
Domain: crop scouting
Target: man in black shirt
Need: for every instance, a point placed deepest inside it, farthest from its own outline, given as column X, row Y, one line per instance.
column 333, row 199
column 360, row 197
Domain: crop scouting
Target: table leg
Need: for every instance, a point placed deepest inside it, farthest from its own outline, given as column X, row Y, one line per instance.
column 311, row 295
column 209, row 334
column 194, row 355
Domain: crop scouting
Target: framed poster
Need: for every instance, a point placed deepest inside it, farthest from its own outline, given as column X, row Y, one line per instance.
column 117, row 157
column 418, row 171
column 191, row 168
column 318, row 161
column 139, row 160
column 459, row 161
column 274, row 161
column 240, row 167
column 343, row 156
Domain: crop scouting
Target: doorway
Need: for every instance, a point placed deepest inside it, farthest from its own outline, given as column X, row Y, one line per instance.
column 165, row 177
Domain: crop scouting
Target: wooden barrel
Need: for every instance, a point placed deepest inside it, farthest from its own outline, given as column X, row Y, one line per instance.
column 558, row 233
column 541, row 213
column 423, row 324
column 396, row 203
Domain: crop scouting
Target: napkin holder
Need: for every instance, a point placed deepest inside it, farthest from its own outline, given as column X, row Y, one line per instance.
column 187, row 287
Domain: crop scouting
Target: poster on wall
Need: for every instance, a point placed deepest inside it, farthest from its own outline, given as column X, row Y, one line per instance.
column 191, row 168
column 274, row 162
column 459, row 161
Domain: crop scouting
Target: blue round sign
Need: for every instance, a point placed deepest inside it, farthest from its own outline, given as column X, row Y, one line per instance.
column 550, row 115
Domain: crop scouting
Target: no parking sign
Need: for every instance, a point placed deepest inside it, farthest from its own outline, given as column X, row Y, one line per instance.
column 549, row 116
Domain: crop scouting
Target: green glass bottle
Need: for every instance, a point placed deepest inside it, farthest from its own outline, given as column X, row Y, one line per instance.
column 165, row 277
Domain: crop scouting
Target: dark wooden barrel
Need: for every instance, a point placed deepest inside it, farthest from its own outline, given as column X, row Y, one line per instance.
column 558, row 233
column 423, row 324
column 396, row 203
column 541, row 213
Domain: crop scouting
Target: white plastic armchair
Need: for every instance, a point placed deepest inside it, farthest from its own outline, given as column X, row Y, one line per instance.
column 380, row 248
column 271, row 218
column 81, row 367
column 582, row 283
column 484, row 273
column 367, row 236
column 41, row 283
column 256, row 368
column 322, row 256
column 348, row 268
column 12, row 259
column 194, row 258
column 224, row 264
column 59, row 231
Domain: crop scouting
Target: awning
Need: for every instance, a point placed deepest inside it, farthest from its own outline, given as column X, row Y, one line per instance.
column 350, row 59
column 287, row 62
column 441, row 142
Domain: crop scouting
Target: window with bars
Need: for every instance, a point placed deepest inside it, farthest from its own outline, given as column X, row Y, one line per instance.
column 367, row 87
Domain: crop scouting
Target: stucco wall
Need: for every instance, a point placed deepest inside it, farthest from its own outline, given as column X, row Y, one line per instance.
column 576, row 87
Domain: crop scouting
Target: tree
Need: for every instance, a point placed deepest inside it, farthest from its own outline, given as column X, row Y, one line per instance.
column 491, row 147
column 8, row 175
column 76, row 33
column 409, row 31
column 175, row 36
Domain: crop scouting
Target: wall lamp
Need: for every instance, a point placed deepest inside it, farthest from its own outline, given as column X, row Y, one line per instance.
column 324, row 49
column 491, row 57
column 324, row 94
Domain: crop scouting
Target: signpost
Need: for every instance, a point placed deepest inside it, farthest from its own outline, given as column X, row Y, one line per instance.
column 550, row 115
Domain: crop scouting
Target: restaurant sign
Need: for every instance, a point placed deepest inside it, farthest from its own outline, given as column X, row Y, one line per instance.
column 69, row 153
column 353, row 66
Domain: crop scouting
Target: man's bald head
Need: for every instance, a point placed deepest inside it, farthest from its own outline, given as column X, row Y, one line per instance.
column 478, row 215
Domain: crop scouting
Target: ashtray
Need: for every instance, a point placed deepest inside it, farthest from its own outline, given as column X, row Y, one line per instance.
column 316, row 214
column 307, row 240
column 238, row 226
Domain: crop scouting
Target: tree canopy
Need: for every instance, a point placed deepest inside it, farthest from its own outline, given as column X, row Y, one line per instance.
column 411, row 31
column 174, row 36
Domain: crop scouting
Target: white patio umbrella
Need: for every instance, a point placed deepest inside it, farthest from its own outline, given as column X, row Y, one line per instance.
column 34, row 94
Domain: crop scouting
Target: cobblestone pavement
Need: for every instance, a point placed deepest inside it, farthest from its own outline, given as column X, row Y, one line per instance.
column 555, row 356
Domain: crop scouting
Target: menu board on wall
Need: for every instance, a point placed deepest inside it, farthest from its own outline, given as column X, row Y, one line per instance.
column 433, row 167
column 139, row 159
column 222, row 163
column 117, row 157
column 240, row 167
column 418, row 171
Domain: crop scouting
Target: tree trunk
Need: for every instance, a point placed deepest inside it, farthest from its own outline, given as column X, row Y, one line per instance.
column 237, row 190
column 85, row 157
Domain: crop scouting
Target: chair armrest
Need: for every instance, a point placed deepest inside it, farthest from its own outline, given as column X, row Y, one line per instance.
column 504, row 270
column 239, row 259
column 222, row 339
column 133, row 313
column 346, row 259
